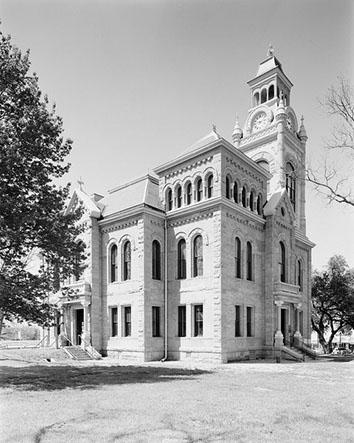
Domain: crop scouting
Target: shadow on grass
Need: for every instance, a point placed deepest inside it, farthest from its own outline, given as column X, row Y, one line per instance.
column 50, row 378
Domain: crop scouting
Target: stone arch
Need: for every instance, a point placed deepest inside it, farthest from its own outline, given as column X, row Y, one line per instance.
column 271, row 91
column 291, row 113
column 199, row 231
column 252, row 199
column 266, row 109
column 256, row 98
column 124, row 238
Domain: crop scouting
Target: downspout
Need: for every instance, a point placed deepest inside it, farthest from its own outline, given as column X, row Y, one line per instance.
column 165, row 291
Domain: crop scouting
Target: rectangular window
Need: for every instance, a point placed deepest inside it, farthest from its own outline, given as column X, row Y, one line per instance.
column 249, row 320
column 181, row 321
column 238, row 313
column 127, row 321
column 156, row 321
column 198, row 320
column 114, row 322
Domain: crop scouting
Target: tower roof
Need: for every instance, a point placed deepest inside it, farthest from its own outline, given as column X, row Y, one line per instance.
column 268, row 64
column 268, row 67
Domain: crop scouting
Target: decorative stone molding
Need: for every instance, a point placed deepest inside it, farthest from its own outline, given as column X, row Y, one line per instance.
column 257, row 135
column 245, row 222
column 189, row 219
column 244, row 170
column 156, row 223
column 117, row 227
column 189, row 167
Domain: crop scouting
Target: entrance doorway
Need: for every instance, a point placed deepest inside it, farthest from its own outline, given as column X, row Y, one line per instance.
column 283, row 325
column 79, row 318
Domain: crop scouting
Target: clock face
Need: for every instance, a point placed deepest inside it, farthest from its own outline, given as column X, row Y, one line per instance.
column 259, row 122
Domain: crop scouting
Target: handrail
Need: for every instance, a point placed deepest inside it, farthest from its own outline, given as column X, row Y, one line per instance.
column 90, row 349
column 305, row 349
column 67, row 339
column 42, row 340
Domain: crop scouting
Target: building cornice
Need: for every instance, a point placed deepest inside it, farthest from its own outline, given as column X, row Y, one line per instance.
column 207, row 148
column 301, row 238
column 131, row 212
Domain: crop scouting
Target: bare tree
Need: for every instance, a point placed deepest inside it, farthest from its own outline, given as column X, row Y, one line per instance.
column 339, row 103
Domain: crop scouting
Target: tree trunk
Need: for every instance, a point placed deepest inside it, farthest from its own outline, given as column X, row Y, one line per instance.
column 1, row 320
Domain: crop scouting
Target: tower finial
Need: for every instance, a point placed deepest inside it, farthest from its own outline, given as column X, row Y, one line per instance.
column 237, row 133
column 80, row 183
column 270, row 52
column 214, row 127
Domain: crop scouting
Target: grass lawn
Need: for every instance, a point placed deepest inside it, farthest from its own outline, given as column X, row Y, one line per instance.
column 167, row 402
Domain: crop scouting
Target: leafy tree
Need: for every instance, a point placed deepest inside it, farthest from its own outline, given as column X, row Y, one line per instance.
column 334, row 180
column 333, row 301
column 33, row 221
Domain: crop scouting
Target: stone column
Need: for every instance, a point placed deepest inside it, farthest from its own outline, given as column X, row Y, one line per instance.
column 278, row 339
column 297, row 335
column 85, row 337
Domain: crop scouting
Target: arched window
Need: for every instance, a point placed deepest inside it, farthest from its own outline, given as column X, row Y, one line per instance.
column 282, row 267
column 199, row 189
column 271, row 92
column 198, row 256
column 126, row 261
column 156, row 260
column 264, row 164
column 259, row 204
column 291, row 183
column 113, row 264
column 169, row 199
column 227, row 187
column 235, row 192
column 249, row 261
column 181, row 259
column 238, row 257
column 256, row 99
column 252, row 201
column 210, row 184
column 244, row 197
column 179, row 196
column 189, row 193
column 299, row 274
column 263, row 95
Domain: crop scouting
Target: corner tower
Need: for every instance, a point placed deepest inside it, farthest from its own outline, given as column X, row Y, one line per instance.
column 272, row 136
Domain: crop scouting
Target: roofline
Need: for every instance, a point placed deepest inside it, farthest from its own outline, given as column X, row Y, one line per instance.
column 134, row 210
column 212, row 145
column 153, row 179
column 272, row 71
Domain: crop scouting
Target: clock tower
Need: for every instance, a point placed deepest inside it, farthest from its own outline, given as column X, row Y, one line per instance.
column 272, row 136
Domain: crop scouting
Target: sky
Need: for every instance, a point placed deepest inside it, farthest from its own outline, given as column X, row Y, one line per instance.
column 137, row 82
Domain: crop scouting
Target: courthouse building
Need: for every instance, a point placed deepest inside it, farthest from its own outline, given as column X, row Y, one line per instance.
column 208, row 258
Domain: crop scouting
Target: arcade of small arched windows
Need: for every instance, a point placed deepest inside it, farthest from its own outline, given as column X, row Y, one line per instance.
column 191, row 191
column 242, row 195
column 265, row 94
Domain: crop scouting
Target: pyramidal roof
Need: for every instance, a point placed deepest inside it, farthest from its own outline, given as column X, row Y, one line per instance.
column 268, row 64
column 142, row 191
column 204, row 141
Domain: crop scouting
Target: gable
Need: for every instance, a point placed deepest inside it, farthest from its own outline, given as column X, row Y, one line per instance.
column 91, row 209
column 279, row 204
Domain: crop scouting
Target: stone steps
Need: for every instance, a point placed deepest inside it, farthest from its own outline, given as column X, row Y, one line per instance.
column 77, row 353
